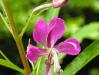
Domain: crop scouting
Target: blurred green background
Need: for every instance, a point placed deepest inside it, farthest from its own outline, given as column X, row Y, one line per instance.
column 81, row 20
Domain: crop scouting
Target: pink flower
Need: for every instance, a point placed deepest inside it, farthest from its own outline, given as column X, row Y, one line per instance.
column 58, row 3
column 47, row 37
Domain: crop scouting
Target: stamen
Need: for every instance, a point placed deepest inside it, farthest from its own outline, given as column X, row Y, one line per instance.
column 57, row 66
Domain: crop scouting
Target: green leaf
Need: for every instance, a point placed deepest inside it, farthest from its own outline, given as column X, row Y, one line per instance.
column 84, row 58
column 9, row 64
column 88, row 31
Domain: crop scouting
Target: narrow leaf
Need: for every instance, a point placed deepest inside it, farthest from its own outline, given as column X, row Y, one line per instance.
column 84, row 58
column 9, row 64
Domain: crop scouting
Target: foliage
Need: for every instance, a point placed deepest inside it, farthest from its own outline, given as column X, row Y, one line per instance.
column 76, row 24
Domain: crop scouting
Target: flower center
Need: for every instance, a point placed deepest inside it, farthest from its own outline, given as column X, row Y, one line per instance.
column 52, row 54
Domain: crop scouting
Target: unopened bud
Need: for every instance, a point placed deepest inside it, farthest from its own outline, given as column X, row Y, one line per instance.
column 58, row 3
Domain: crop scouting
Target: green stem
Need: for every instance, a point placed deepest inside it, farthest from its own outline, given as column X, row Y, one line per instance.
column 16, row 36
column 26, row 26
column 23, row 56
column 8, row 13
column 30, row 17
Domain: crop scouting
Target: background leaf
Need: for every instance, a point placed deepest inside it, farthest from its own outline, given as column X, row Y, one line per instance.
column 88, row 31
column 52, row 12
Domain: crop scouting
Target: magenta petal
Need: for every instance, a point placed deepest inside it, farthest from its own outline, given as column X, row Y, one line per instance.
column 70, row 46
column 41, row 32
column 74, row 41
column 56, row 30
column 33, row 53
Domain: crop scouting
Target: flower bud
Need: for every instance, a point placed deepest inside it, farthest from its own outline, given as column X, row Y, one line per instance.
column 58, row 3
